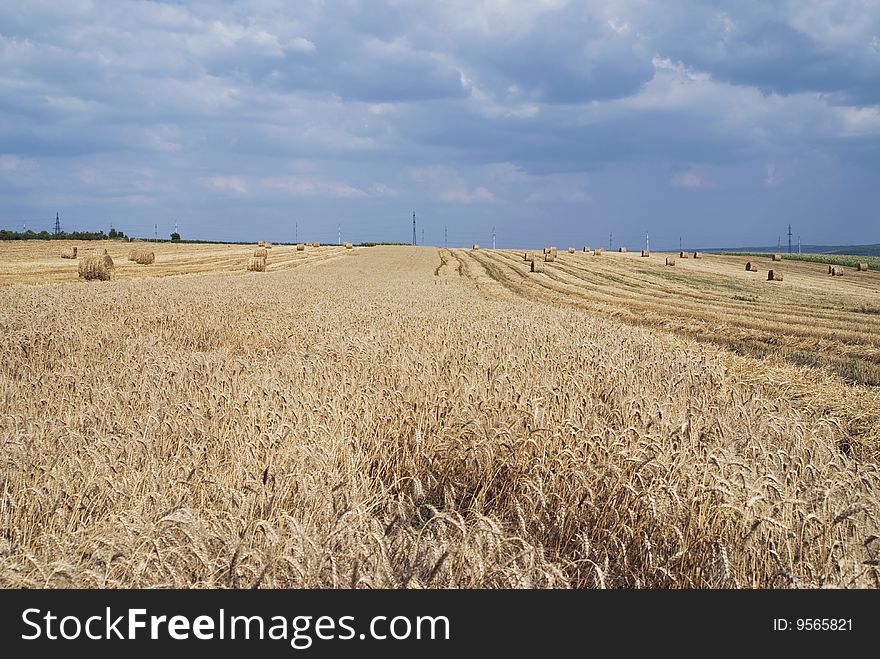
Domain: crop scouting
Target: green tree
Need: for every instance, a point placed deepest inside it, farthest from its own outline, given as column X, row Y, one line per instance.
column 175, row 236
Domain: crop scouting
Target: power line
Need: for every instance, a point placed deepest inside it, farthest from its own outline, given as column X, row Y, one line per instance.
column 414, row 229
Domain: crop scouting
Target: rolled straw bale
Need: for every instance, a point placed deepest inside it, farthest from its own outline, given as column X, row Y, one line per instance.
column 476, row 246
column 96, row 267
column 537, row 266
column 68, row 253
column 621, row 249
column 751, row 267
column 144, row 257
column 261, row 253
column 646, row 252
column 262, row 243
column 862, row 267
column 598, row 251
column 777, row 257
column 670, row 260
column 774, row 275
column 571, row 250
column 682, row 255
column 300, row 247
column 256, row 265
column 549, row 258
column 698, row 255
column 586, row 248
column 348, row 245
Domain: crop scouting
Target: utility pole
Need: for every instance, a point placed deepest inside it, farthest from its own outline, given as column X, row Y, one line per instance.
column 679, row 243
column 789, row 238
column 414, row 228
column 338, row 234
column 57, row 224
column 156, row 231
column 799, row 244
column 296, row 233
column 778, row 242
column 610, row 240
column 445, row 236
column 647, row 243
column 493, row 237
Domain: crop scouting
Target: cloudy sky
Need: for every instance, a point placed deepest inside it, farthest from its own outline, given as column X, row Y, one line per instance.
column 553, row 122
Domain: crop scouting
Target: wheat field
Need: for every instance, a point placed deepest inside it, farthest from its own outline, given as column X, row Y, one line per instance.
column 398, row 417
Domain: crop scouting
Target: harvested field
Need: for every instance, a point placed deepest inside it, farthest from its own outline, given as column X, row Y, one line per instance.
column 37, row 262
column 385, row 421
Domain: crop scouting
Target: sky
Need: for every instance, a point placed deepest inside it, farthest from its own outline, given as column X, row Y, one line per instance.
column 545, row 122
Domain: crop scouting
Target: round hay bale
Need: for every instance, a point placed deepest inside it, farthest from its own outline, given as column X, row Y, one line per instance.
column 751, row 267
column 670, row 260
column 300, row 247
column 682, row 255
column 571, row 250
column 598, row 251
column 256, row 265
column 586, row 248
column 621, row 249
column 646, row 253
column 862, row 267
column 777, row 257
column 549, row 257
column 261, row 253
column 142, row 256
column 698, row 255
column 96, row 267
column 68, row 253
column 262, row 243
column 348, row 245
column 475, row 247
column 537, row 266
column 774, row 275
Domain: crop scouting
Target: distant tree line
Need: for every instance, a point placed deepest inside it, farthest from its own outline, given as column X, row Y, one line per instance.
column 73, row 235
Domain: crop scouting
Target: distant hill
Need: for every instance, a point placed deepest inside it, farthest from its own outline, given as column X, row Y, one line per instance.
column 855, row 250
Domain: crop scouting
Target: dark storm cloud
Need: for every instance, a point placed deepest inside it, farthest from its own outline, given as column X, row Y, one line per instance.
column 477, row 113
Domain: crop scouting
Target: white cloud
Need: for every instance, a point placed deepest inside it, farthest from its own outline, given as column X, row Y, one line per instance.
column 691, row 179
column 446, row 184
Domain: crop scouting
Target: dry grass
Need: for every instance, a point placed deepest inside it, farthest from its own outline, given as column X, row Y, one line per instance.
column 354, row 424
